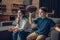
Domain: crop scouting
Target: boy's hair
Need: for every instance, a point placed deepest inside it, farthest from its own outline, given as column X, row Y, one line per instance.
column 44, row 9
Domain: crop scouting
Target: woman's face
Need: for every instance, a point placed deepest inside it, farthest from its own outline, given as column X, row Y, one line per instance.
column 20, row 15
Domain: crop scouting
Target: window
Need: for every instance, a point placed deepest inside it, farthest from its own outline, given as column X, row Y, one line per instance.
column 0, row 0
column 51, row 5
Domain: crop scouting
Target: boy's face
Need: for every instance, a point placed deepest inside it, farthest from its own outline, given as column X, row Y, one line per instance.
column 42, row 13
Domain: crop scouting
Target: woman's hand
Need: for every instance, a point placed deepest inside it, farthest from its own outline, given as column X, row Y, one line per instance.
column 16, row 30
column 10, row 29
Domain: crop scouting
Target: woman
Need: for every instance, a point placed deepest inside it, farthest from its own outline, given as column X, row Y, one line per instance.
column 22, row 29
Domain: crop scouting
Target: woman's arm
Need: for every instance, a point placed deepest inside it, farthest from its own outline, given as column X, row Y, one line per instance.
column 17, row 19
column 33, row 25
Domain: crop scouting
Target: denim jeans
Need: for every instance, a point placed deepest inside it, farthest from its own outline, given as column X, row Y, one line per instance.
column 22, row 35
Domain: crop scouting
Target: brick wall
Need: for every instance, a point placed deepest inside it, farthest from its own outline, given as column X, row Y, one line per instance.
column 9, row 3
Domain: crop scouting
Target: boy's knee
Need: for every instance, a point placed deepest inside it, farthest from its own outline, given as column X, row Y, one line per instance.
column 28, row 37
column 32, row 36
column 40, row 37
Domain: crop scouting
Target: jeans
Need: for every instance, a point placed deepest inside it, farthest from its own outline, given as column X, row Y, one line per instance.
column 22, row 35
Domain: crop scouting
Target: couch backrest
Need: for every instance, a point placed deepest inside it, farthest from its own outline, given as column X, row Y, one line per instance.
column 56, row 20
column 6, row 23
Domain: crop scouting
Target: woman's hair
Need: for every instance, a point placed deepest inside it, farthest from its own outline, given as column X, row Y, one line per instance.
column 31, row 8
column 24, row 12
